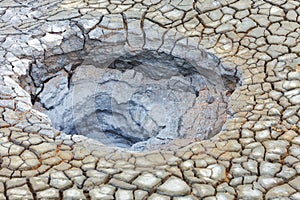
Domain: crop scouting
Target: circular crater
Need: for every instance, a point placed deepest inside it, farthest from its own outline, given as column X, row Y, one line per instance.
column 138, row 100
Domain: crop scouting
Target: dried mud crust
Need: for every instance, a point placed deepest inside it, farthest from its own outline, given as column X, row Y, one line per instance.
column 255, row 156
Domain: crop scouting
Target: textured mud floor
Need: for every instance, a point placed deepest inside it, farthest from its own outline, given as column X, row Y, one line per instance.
column 255, row 156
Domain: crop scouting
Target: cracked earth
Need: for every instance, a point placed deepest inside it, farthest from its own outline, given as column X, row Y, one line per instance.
column 254, row 156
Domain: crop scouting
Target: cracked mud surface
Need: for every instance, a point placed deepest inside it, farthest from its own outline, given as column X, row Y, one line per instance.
column 255, row 156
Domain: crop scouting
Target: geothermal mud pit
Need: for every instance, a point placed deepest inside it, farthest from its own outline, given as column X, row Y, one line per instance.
column 139, row 100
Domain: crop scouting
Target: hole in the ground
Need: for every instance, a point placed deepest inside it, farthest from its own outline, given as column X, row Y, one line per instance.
column 139, row 100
